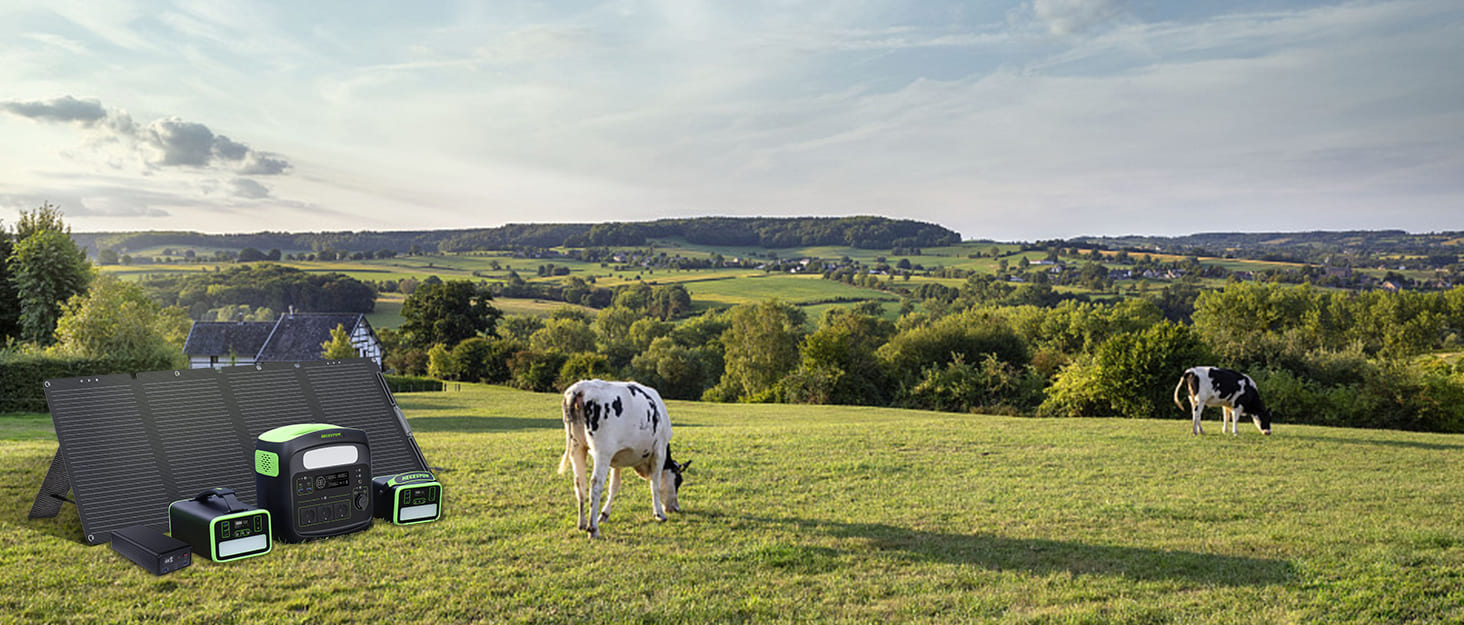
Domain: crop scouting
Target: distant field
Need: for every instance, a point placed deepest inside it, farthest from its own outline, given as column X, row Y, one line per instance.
column 794, row 289
column 388, row 313
column 828, row 514
column 709, row 288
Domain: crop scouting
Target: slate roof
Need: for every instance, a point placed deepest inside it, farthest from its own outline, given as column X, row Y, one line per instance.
column 220, row 338
column 298, row 337
column 292, row 338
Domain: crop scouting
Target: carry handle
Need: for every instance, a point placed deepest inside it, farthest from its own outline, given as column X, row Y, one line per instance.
column 225, row 495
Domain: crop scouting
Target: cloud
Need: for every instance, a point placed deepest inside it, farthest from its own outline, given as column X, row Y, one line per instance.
column 164, row 143
column 60, row 110
column 248, row 189
column 1066, row 17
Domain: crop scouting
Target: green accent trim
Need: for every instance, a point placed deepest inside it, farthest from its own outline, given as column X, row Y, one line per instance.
column 213, row 537
column 288, row 432
column 408, row 477
column 396, row 505
column 266, row 463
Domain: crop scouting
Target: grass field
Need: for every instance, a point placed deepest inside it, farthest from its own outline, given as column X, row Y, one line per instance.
column 828, row 514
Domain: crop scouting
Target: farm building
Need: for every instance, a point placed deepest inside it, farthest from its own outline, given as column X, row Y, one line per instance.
column 292, row 338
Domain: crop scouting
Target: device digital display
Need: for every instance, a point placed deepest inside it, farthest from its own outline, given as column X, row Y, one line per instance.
column 230, row 548
column 418, row 502
column 334, row 480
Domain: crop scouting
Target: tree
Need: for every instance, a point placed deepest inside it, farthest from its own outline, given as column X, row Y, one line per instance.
column 46, row 269
column 1131, row 375
column 670, row 301
column 108, row 257
column 47, row 217
column 563, row 336
column 116, row 320
column 252, row 255
column 762, row 347
column 448, row 312
column 9, row 303
column 838, row 363
column 676, row 371
column 339, row 346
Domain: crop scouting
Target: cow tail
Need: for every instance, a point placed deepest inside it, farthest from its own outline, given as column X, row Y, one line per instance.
column 573, row 411
column 1182, row 379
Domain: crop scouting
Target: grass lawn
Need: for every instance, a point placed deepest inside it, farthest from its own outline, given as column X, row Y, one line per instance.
column 828, row 514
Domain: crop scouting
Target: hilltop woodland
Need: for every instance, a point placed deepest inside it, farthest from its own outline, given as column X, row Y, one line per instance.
column 1350, row 329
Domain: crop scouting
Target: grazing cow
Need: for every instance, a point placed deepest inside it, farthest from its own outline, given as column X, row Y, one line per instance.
column 620, row 424
column 1233, row 391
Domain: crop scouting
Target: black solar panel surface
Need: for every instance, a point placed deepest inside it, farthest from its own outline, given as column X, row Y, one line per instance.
column 133, row 446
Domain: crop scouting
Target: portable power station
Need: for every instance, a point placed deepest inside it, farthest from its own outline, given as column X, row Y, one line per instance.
column 408, row 498
column 220, row 527
column 315, row 479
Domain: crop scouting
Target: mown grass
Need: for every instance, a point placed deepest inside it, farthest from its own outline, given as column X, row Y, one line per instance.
column 831, row 514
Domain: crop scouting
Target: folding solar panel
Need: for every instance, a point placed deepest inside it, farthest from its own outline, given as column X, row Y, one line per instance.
column 130, row 446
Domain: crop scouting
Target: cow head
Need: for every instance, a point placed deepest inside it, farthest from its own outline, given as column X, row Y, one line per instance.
column 671, row 478
column 1262, row 419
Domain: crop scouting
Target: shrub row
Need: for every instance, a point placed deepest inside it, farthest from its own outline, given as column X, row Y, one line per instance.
column 23, row 376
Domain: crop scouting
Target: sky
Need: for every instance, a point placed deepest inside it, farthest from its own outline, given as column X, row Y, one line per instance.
column 1009, row 120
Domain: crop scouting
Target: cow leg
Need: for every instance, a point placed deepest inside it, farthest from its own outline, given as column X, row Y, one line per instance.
column 581, row 488
column 657, row 461
column 597, row 488
column 1198, row 410
column 610, row 496
column 1226, row 416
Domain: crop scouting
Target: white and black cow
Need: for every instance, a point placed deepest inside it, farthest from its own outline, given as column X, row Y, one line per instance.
column 1233, row 391
column 619, row 424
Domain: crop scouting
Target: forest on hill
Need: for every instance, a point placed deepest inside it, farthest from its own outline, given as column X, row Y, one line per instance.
column 1342, row 248
column 769, row 232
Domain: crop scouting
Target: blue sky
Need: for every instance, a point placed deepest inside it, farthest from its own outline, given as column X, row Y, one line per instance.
column 1024, row 119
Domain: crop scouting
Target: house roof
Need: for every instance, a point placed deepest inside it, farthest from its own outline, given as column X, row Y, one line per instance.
column 294, row 337
column 298, row 336
column 222, row 338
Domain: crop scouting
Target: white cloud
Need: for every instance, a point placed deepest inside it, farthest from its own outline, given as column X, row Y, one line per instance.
column 1066, row 17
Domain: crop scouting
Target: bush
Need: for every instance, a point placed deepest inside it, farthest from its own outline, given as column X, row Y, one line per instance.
column 23, row 376
column 412, row 384
column 584, row 366
column 990, row 386
column 971, row 335
column 536, row 371
column 1131, row 375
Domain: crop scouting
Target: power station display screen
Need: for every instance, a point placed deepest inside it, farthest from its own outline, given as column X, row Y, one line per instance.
column 418, row 503
column 231, row 548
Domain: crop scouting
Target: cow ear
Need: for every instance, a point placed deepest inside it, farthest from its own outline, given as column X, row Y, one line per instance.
column 683, row 466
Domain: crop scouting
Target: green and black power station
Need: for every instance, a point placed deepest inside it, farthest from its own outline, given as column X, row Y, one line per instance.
column 408, row 498
column 220, row 527
column 314, row 478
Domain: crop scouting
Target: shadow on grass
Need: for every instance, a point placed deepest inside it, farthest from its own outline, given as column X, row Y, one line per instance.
column 1385, row 443
column 1043, row 556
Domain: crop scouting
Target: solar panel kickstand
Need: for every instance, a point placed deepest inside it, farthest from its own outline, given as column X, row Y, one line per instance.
column 53, row 490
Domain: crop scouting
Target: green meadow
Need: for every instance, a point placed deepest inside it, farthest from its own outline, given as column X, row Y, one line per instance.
column 709, row 288
column 826, row 514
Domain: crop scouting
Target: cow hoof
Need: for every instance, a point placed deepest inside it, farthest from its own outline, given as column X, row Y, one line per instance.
column 594, row 534
column 661, row 518
column 604, row 516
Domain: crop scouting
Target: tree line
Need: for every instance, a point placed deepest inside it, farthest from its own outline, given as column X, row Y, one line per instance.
column 770, row 232
column 1322, row 357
